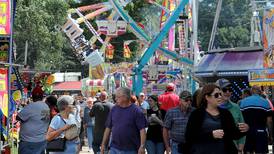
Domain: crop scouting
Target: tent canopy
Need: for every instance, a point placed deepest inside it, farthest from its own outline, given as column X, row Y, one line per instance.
column 229, row 63
column 67, row 86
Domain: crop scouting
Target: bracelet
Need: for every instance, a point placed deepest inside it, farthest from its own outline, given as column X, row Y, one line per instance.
column 142, row 146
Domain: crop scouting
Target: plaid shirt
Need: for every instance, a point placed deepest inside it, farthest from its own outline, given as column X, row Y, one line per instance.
column 176, row 121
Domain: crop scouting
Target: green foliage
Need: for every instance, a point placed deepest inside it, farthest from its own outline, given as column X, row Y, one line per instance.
column 233, row 27
column 37, row 22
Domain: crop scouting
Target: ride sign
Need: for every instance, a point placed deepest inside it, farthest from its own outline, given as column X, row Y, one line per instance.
column 5, row 17
column 4, row 91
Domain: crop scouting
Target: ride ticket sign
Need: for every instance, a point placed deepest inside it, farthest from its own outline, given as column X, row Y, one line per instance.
column 5, row 17
column 4, row 91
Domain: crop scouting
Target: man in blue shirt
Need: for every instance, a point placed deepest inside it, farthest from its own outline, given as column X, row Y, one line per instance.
column 34, row 118
column 257, row 114
column 144, row 104
column 127, row 123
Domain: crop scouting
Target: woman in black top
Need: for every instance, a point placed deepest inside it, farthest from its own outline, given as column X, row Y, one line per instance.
column 154, row 142
column 210, row 129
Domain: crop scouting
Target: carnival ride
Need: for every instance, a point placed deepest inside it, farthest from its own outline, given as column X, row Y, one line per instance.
column 116, row 23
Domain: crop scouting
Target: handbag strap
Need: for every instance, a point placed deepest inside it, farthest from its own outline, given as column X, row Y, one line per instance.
column 62, row 119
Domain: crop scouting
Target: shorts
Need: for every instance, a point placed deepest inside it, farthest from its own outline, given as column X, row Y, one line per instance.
column 256, row 141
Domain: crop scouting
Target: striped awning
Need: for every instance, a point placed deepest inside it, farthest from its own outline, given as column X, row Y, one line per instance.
column 68, row 85
column 229, row 63
column 96, row 82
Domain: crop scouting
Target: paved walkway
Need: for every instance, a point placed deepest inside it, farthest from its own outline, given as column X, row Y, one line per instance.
column 85, row 150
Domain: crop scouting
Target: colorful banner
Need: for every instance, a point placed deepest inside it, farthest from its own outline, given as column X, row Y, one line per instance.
column 261, row 75
column 96, row 72
column 4, row 91
column 122, row 67
column 5, row 17
column 268, row 38
column 110, row 51
column 171, row 34
column 4, row 48
column 181, row 31
column 269, row 57
column 127, row 51
column 164, row 14
column 156, row 89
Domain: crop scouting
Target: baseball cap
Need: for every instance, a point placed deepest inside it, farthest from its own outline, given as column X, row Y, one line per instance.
column 222, row 83
column 170, row 87
column 185, row 94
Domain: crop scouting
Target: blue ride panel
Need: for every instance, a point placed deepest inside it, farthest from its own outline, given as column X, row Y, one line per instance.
column 137, row 78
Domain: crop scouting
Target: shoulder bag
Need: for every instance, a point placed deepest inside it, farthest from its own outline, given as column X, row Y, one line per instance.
column 72, row 132
column 57, row 144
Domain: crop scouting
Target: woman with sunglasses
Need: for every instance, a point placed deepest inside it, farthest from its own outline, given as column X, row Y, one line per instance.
column 210, row 129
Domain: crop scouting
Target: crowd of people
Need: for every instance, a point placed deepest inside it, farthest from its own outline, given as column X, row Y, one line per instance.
column 207, row 122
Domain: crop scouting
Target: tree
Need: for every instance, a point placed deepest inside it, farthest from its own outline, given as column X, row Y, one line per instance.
column 233, row 27
column 37, row 22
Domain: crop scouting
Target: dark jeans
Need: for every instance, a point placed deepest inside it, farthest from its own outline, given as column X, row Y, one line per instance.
column 32, row 147
column 155, row 147
column 82, row 134
column 95, row 147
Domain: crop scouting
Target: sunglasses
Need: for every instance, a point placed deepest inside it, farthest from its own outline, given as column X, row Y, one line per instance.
column 216, row 95
column 225, row 89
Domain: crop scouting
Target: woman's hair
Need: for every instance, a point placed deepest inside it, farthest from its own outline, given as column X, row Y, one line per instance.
column 196, row 95
column 154, row 97
column 64, row 101
column 51, row 100
column 206, row 91
column 134, row 99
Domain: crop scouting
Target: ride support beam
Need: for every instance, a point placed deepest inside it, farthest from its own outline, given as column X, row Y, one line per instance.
column 154, row 45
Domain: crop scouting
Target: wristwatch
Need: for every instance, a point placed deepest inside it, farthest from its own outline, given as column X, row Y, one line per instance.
column 142, row 146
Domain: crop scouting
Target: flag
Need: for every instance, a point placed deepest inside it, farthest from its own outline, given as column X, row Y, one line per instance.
column 127, row 51
column 109, row 51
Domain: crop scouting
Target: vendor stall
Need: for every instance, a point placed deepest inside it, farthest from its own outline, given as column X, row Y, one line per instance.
column 232, row 64
column 67, row 88
column 263, row 78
